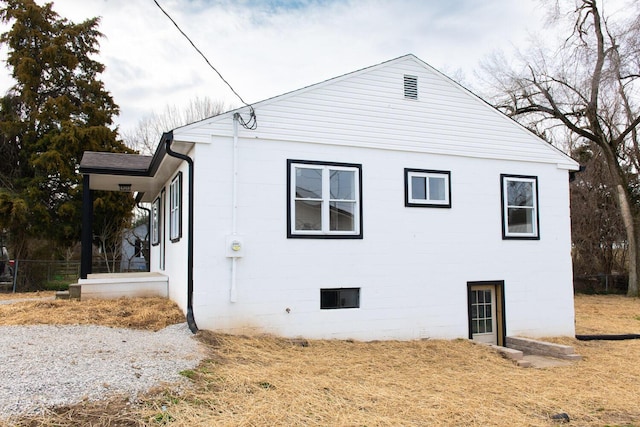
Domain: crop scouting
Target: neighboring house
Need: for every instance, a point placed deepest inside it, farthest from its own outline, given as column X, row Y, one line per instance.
column 134, row 241
column 388, row 203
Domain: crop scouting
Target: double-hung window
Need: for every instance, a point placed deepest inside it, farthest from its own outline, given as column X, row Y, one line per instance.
column 427, row 188
column 175, row 208
column 520, row 218
column 155, row 222
column 324, row 199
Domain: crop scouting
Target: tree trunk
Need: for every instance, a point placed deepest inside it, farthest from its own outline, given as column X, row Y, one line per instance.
column 629, row 225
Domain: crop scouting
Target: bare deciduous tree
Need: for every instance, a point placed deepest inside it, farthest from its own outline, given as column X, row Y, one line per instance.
column 145, row 136
column 588, row 85
column 597, row 231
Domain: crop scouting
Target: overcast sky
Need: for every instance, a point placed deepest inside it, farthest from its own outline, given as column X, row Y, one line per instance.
column 264, row 48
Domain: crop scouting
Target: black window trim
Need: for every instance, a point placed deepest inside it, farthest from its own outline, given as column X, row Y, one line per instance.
column 178, row 178
column 502, row 208
column 407, row 203
column 291, row 233
column 339, row 290
column 156, row 238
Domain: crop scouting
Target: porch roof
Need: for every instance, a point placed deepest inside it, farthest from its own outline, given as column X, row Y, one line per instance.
column 136, row 173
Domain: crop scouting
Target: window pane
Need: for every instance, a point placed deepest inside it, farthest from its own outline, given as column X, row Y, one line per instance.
column 480, row 296
column 342, row 216
column 155, row 220
column 418, row 188
column 520, row 220
column 329, row 298
column 488, row 325
column 436, row 188
column 350, row 298
column 309, row 183
column 481, row 327
column 343, row 185
column 519, row 193
column 308, row 215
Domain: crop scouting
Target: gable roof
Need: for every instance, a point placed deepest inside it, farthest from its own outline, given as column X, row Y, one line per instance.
column 369, row 108
column 364, row 108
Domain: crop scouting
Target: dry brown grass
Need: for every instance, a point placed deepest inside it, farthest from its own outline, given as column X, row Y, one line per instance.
column 39, row 294
column 607, row 314
column 138, row 313
column 256, row 381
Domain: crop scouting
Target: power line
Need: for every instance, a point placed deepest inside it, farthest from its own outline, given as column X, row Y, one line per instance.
column 252, row 123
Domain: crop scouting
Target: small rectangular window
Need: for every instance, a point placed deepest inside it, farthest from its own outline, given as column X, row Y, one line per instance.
column 339, row 298
column 175, row 208
column 410, row 87
column 155, row 222
column 520, row 218
column 324, row 199
column 427, row 188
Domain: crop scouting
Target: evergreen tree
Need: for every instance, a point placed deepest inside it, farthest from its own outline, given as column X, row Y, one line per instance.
column 57, row 109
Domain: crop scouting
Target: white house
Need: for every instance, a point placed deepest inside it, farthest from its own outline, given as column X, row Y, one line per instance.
column 387, row 203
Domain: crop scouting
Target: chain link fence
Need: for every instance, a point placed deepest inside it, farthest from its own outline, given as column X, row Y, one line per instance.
column 601, row 284
column 37, row 275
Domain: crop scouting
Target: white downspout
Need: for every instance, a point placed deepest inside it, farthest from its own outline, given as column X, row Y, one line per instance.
column 233, row 292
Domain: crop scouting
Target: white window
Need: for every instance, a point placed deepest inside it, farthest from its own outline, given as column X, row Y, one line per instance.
column 155, row 222
column 519, row 207
column 427, row 188
column 324, row 200
column 175, row 208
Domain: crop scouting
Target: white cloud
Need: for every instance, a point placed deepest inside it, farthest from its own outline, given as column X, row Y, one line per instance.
column 267, row 48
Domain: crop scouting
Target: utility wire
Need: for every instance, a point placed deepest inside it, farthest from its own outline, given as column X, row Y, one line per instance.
column 252, row 123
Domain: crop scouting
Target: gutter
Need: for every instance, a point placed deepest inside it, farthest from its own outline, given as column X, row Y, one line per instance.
column 168, row 138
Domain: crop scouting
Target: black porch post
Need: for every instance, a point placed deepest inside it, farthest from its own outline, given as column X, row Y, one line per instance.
column 87, row 228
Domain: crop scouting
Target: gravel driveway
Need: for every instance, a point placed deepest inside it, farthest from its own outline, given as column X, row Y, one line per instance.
column 43, row 365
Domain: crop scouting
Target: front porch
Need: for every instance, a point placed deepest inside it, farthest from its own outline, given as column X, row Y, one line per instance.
column 117, row 285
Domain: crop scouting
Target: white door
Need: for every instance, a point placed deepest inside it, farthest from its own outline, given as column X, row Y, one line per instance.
column 482, row 301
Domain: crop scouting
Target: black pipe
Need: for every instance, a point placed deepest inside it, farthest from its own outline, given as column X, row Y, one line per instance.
column 168, row 137
column 619, row 337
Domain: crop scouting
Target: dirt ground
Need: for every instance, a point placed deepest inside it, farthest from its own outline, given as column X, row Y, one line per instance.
column 262, row 380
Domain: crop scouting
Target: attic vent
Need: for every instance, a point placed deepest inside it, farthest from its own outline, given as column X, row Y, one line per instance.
column 410, row 87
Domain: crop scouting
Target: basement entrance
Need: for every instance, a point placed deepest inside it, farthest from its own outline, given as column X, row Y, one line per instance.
column 486, row 312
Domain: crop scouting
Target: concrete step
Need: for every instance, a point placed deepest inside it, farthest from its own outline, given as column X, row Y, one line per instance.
column 542, row 348
column 509, row 353
column 62, row 295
